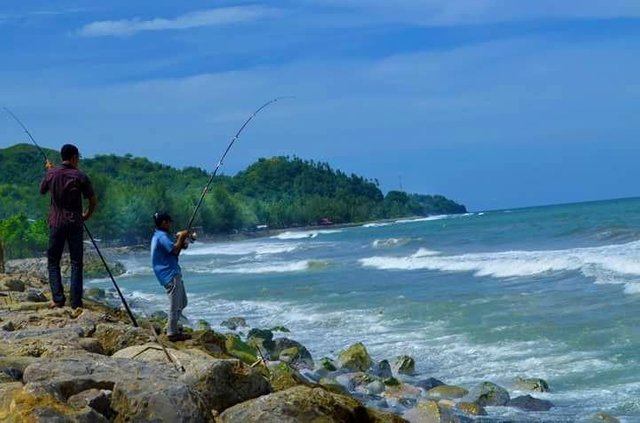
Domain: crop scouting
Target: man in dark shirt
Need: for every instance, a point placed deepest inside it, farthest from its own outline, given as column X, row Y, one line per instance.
column 68, row 186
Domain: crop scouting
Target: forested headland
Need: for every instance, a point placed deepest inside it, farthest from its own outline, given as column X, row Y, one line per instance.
column 278, row 192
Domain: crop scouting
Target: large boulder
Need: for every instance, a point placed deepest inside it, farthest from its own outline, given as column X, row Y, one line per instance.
column 220, row 383
column 488, row 393
column 224, row 383
column 142, row 391
column 355, row 358
column 304, row 404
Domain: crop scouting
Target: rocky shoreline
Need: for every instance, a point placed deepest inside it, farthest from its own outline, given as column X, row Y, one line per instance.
column 94, row 366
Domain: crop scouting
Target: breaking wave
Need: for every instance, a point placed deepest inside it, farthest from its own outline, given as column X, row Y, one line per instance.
column 304, row 234
column 259, row 268
column 240, row 248
column 608, row 264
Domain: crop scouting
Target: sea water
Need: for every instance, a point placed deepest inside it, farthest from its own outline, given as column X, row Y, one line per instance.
column 549, row 292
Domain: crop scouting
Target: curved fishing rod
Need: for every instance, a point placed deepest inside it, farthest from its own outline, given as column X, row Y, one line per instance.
column 104, row 262
column 215, row 171
column 27, row 132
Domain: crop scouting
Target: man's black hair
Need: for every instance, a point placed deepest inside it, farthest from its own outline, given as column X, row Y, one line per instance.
column 68, row 151
column 160, row 217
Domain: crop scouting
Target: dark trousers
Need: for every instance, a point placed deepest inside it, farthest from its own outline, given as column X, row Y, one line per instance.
column 71, row 235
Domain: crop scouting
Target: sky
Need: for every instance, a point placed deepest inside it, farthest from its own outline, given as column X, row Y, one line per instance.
column 493, row 103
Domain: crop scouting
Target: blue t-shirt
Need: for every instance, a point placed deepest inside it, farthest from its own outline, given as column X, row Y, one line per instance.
column 164, row 261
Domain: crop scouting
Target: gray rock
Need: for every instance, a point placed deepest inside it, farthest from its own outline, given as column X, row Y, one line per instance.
column 8, row 326
column 328, row 364
column 602, row 417
column 98, row 399
column 447, row 392
column 404, row 365
column 225, row 383
column 12, row 374
column 529, row 403
column 234, row 323
column 488, row 393
column 261, row 338
column 428, row 383
column 36, row 296
column 14, row 285
column 116, row 337
column 202, row 325
column 220, row 383
column 95, row 293
column 532, row 384
column 91, row 345
column 292, row 352
column 142, row 391
column 431, row 411
column 159, row 315
column 382, row 369
column 304, row 404
column 375, row 388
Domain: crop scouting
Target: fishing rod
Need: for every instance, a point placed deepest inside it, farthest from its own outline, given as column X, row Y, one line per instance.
column 27, row 132
column 220, row 162
column 106, row 266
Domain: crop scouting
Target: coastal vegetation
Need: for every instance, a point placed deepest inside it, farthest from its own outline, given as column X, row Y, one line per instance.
column 277, row 192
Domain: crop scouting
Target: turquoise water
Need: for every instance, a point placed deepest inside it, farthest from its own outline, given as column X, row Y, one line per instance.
column 550, row 292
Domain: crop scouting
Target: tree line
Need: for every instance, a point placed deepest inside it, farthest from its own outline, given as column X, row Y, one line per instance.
column 278, row 192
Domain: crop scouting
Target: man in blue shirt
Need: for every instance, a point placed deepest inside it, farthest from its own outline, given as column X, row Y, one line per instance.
column 164, row 258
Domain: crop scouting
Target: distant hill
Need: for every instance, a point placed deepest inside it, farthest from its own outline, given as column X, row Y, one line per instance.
column 278, row 192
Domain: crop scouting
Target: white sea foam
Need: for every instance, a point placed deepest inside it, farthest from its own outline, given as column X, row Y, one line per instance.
column 240, row 248
column 608, row 264
column 416, row 219
column 423, row 252
column 257, row 268
column 376, row 224
column 424, row 219
column 305, row 234
column 390, row 242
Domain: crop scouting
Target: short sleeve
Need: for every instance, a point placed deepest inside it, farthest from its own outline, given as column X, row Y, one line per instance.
column 165, row 243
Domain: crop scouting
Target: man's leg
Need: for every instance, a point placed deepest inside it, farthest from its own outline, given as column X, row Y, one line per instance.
column 57, row 238
column 177, row 302
column 76, row 255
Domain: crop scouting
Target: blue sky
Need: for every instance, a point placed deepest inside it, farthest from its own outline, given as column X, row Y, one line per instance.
column 494, row 103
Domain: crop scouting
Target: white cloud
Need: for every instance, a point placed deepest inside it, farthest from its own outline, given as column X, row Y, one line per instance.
column 212, row 17
column 471, row 12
